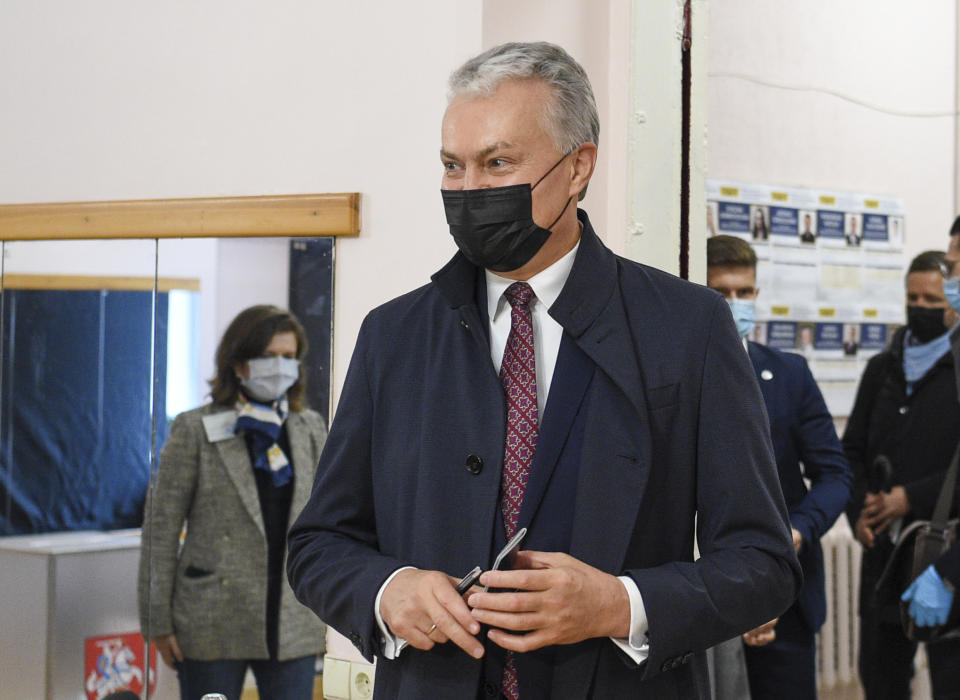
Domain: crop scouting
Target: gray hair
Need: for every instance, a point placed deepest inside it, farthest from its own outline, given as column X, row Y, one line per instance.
column 571, row 116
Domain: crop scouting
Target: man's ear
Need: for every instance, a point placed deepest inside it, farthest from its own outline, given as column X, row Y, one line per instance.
column 584, row 162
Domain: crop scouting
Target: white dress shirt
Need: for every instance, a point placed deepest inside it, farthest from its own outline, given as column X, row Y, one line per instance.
column 547, row 333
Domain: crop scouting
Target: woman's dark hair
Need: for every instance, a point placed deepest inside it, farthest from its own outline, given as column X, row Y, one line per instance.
column 246, row 338
column 760, row 227
column 929, row 261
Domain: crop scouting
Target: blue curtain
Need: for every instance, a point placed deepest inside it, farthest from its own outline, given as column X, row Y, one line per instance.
column 75, row 408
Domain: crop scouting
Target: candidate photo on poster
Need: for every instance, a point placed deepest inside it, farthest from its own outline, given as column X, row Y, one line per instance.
column 805, row 339
column 853, row 232
column 808, row 228
column 896, row 232
column 759, row 222
column 711, row 219
column 851, row 338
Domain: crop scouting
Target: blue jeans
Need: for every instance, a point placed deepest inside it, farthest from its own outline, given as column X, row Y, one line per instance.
column 276, row 680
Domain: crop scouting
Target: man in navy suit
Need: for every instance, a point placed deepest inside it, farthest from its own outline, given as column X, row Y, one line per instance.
column 781, row 655
column 649, row 429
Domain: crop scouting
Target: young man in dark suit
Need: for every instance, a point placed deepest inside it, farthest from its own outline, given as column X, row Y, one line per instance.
column 781, row 656
column 541, row 382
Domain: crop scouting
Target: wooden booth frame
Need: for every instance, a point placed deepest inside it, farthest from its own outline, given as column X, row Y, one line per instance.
column 296, row 215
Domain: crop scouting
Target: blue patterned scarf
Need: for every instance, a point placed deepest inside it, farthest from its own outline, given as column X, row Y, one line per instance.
column 263, row 423
column 919, row 358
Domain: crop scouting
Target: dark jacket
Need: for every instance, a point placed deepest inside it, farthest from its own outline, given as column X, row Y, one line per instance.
column 948, row 565
column 803, row 433
column 669, row 425
column 917, row 433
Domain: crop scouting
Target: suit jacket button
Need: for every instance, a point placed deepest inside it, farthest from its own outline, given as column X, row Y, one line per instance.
column 355, row 638
column 490, row 689
column 474, row 464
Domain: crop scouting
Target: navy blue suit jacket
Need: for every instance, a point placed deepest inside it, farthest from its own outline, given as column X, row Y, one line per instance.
column 803, row 433
column 663, row 441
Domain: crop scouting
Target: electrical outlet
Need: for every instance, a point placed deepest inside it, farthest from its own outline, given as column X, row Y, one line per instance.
column 361, row 681
column 336, row 679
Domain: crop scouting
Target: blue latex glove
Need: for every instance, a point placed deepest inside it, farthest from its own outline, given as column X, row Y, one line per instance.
column 929, row 599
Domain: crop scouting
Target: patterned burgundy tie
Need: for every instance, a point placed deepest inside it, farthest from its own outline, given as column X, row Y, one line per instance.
column 518, row 375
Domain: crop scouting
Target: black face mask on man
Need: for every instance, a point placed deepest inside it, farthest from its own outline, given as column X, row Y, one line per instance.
column 925, row 323
column 494, row 226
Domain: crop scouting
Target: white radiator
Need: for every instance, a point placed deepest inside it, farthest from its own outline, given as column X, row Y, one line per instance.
column 838, row 640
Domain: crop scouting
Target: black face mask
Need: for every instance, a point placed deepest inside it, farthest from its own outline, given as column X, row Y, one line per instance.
column 494, row 226
column 925, row 323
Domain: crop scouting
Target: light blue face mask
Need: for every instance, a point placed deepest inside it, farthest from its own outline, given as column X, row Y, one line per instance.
column 951, row 290
column 743, row 313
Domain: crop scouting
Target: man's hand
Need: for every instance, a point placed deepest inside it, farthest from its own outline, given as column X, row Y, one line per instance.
column 423, row 607
column 762, row 635
column 881, row 509
column 863, row 533
column 930, row 600
column 558, row 600
column 168, row 648
column 797, row 539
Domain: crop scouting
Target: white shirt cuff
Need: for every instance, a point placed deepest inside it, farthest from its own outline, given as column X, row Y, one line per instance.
column 637, row 645
column 392, row 645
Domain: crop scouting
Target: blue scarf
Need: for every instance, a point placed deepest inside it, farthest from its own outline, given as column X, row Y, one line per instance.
column 920, row 358
column 263, row 422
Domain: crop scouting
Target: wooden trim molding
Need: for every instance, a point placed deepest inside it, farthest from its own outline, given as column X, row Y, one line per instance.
column 75, row 283
column 280, row 215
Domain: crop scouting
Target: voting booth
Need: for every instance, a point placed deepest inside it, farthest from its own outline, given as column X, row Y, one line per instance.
column 69, row 616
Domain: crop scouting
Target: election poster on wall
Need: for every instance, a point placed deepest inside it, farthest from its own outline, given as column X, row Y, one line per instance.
column 830, row 267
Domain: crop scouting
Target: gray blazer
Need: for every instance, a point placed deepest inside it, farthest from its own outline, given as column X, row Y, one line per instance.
column 208, row 489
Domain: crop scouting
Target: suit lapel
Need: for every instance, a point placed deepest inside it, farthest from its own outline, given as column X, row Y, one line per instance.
column 572, row 376
column 613, row 476
column 236, row 460
column 613, row 473
column 617, row 443
column 304, row 466
column 591, row 310
column 765, row 376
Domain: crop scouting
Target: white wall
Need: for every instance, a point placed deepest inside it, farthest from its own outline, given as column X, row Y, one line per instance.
column 120, row 99
column 894, row 55
column 113, row 99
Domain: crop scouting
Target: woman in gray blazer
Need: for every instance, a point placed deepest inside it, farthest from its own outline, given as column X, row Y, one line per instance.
column 232, row 477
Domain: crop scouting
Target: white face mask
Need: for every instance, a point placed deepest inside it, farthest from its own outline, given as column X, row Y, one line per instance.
column 270, row 377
